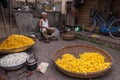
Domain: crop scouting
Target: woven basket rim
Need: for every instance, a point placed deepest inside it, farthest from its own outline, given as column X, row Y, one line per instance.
column 67, row 36
column 80, row 73
column 68, row 33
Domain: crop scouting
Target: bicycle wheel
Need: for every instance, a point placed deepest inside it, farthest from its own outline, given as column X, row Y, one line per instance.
column 114, row 29
column 89, row 27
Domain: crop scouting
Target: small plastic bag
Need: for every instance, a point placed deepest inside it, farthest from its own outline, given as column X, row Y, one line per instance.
column 42, row 67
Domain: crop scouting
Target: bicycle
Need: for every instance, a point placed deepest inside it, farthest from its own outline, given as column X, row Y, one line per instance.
column 111, row 27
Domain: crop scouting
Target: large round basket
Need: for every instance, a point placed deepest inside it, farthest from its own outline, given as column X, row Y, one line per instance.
column 7, row 51
column 76, row 50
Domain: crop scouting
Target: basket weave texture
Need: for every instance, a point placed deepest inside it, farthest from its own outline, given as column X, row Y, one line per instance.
column 76, row 50
column 68, row 35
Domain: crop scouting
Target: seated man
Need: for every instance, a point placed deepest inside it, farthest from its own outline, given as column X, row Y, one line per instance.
column 45, row 28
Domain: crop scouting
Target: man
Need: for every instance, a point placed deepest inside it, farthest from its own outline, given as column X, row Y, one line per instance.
column 45, row 28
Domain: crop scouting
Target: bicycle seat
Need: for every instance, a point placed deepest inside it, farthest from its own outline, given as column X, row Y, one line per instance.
column 113, row 13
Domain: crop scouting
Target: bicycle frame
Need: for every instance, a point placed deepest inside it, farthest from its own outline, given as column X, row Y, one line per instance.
column 98, row 19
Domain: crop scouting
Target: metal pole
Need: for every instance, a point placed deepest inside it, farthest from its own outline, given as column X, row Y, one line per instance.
column 4, row 20
column 26, row 2
column 10, row 17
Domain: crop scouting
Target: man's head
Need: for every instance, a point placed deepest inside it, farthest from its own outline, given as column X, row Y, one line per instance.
column 44, row 14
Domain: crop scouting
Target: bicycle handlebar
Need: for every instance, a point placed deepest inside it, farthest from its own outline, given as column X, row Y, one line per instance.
column 93, row 12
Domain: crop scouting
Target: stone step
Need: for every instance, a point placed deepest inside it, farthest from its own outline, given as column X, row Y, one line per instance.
column 99, row 39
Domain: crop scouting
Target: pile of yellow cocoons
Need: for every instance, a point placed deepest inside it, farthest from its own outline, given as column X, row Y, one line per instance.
column 88, row 62
column 16, row 41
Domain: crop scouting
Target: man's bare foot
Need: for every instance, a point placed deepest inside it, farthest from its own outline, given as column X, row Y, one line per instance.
column 47, row 41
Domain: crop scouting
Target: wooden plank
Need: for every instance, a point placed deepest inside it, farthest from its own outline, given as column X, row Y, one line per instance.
column 4, row 19
column 84, row 10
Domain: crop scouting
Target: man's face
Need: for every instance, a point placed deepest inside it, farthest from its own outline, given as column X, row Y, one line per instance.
column 44, row 16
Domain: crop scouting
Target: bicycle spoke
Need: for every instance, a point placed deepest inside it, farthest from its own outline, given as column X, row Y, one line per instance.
column 114, row 29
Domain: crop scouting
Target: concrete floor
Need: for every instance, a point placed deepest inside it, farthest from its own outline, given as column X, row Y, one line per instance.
column 45, row 53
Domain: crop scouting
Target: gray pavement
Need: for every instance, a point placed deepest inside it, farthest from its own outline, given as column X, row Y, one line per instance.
column 45, row 53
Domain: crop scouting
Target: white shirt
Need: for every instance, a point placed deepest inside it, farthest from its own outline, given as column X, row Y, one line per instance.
column 45, row 23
